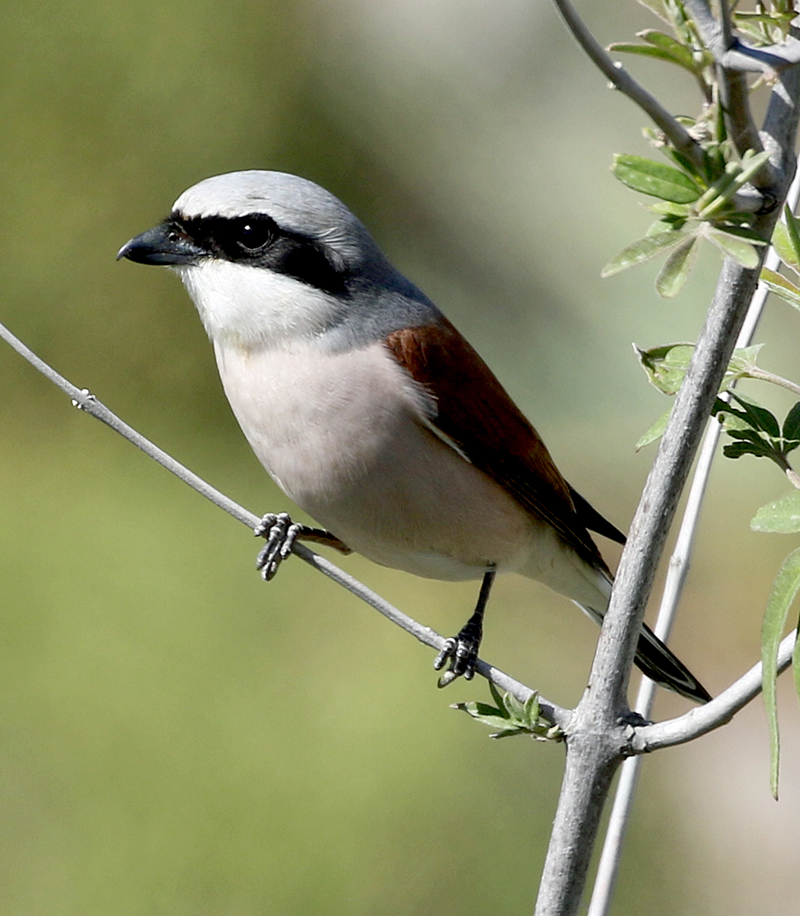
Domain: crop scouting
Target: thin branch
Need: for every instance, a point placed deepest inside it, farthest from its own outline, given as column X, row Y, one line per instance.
column 719, row 711
column 693, row 403
column 605, row 879
column 586, row 782
column 765, row 376
column 608, row 867
column 669, row 472
column 619, row 77
column 736, row 104
column 88, row 403
column 745, row 201
column 734, row 92
column 741, row 127
column 732, row 53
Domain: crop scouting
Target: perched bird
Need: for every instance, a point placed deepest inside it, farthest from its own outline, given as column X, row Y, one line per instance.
column 371, row 411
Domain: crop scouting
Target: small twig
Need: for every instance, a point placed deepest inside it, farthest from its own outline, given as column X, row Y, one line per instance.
column 735, row 96
column 619, row 77
column 741, row 127
column 88, row 403
column 719, row 711
column 765, row 376
column 772, row 59
column 732, row 53
column 744, row 201
column 736, row 105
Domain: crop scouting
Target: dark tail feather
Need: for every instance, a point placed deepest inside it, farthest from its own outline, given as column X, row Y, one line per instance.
column 655, row 660
column 661, row 665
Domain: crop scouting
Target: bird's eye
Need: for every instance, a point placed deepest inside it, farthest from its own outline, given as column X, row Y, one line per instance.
column 253, row 234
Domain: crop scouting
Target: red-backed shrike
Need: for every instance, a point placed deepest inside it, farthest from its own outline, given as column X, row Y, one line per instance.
column 371, row 411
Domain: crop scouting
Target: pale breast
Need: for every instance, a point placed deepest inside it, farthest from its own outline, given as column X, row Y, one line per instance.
column 343, row 435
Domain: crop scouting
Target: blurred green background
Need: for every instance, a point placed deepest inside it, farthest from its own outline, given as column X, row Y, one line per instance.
column 175, row 736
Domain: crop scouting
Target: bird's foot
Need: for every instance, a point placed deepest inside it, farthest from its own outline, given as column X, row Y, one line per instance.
column 280, row 533
column 634, row 719
column 462, row 651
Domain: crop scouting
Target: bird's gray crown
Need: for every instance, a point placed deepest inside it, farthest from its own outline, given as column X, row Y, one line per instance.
column 296, row 204
column 307, row 234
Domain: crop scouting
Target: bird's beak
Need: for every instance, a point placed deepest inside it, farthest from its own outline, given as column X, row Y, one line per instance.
column 161, row 245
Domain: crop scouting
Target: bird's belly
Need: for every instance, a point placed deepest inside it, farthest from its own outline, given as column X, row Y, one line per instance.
column 343, row 436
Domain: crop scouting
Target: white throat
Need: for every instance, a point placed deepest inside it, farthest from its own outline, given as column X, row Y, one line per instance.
column 252, row 306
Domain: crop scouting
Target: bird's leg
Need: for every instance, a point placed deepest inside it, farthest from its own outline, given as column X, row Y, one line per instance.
column 280, row 533
column 462, row 650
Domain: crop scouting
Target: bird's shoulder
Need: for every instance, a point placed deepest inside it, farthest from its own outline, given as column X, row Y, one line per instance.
column 472, row 410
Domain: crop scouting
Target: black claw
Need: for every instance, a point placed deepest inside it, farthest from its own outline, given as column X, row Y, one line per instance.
column 447, row 678
column 462, row 650
column 281, row 533
column 448, row 651
column 634, row 719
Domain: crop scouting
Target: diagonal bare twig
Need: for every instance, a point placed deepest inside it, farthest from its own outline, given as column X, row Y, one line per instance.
column 550, row 711
column 719, row 711
column 732, row 53
column 742, row 127
column 678, row 136
column 88, row 403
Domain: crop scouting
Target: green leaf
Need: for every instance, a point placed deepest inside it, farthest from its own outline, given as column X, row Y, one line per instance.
column 510, row 716
column 655, row 179
column 784, row 591
column 666, row 366
column 683, row 162
column 508, row 732
column 779, row 517
column 531, row 708
column 627, row 47
column 737, row 449
column 751, row 435
column 678, row 52
column 782, row 287
column 759, row 417
column 730, row 417
column 484, row 713
column 734, row 246
column 655, row 432
column 770, row 18
column 791, row 425
column 662, row 47
column 782, row 243
column 675, row 213
column 751, row 165
column 793, row 230
column 496, row 695
column 719, row 196
column 743, row 361
column 664, row 223
column 515, row 709
column 676, row 270
column 643, row 250
column 752, row 30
